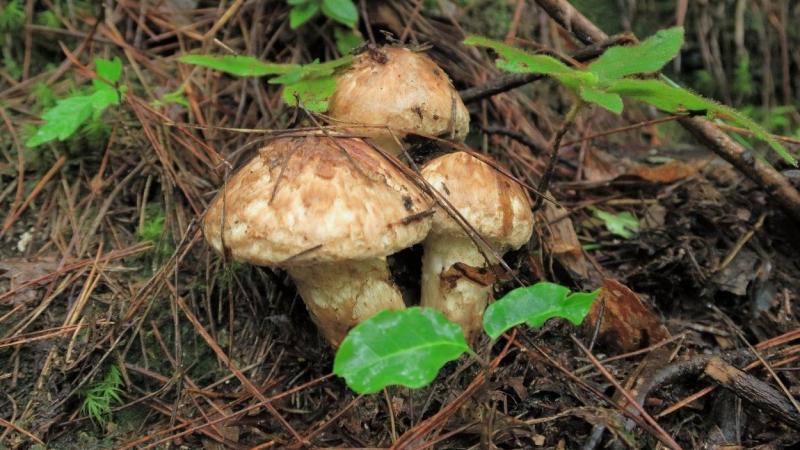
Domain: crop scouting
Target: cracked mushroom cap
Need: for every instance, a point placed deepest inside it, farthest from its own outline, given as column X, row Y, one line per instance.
column 403, row 89
column 316, row 199
column 493, row 204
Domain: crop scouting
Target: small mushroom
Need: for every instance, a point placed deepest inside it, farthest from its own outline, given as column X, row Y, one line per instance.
column 329, row 211
column 400, row 88
column 453, row 275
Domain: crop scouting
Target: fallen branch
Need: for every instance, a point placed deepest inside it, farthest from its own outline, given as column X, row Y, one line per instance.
column 754, row 391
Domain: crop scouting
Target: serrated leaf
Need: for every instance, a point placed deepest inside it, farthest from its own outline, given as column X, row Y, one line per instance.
column 313, row 93
column 678, row 100
column 519, row 61
column 103, row 98
column 648, row 56
column 405, row 348
column 62, row 120
column 342, row 11
column 302, row 13
column 611, row 102
column 243, row 66
column 515, row 60
column 624, row 224
column 534, row 305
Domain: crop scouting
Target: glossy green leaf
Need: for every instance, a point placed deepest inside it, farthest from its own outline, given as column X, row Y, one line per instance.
column 534, row 305
column 342, row 11
column 302, row 13
column 243, row 66
column 624, row 224
column 611, row 102
column 648, row 56
column 404, row 348
column 678, row 100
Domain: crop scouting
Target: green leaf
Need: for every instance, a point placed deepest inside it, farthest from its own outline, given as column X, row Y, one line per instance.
column 313, row 93
column 109, row 70
column 534, row 305
column 677, row 100
column 342, row 11
column 611, row 102
column 624, row 224
column 515, row 60
column 346, row 40
column 404, row 348
column 519, row 61
column 314, row 69
column 243, row 66
column 62, row 120
column 645, row 57
column 302, row 13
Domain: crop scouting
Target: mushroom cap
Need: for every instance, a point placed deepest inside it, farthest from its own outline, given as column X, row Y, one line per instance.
column 495, row 206
column 316, row 199
column 403, row 89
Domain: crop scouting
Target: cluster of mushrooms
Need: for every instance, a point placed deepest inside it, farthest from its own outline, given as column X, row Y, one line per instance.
column 329, row 208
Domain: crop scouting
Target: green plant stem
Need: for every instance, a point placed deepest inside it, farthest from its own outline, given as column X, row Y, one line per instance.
column 572, row 114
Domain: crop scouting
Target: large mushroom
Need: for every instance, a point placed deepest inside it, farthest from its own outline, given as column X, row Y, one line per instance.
column 400, row 88
column 496, row 208
column 328, row 210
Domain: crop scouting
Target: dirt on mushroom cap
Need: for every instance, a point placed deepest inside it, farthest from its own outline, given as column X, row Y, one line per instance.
column 317, row 199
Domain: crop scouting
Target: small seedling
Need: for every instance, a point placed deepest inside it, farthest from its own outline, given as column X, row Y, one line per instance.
column 624, row 224
column 70, row 113
column 100, row 397
column 410, row 346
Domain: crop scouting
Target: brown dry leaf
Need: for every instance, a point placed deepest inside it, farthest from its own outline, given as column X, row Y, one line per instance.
column 664, row 173
column 21, row 270
column 627, row 323
column 600, row 166
column 561, row 239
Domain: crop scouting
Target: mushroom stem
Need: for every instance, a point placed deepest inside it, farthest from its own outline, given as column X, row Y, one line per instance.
column 461, row 299
column 341, row 294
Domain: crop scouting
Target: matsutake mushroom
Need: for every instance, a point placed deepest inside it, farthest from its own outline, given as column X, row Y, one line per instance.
column 402, row 89
column 496, row 208
column 328, row 210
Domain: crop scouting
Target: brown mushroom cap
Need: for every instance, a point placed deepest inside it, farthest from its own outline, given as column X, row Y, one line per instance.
column 403, row 89
column 494, row 205
column 316, row 199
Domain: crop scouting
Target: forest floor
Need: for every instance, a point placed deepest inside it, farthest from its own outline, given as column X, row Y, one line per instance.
column 121, row 328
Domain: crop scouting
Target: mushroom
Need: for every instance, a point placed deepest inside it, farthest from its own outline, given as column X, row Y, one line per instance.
column 400, row 88
column 328, row 211
column 496, row 208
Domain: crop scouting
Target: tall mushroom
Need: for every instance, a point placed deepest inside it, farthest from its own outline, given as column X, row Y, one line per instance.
column 400, row 88
column 495, row 207
column 329, row 211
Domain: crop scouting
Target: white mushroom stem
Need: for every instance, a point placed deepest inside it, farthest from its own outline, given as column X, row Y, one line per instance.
column 461, row 299
column 341, row 294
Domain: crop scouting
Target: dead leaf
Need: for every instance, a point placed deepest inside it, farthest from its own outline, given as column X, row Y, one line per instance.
column 22, row 270
column 627, row 323
column 669, row 172
column 561, row 239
